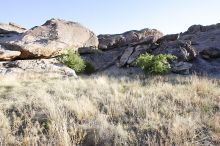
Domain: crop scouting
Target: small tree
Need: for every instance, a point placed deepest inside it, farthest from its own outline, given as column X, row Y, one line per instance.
column 74, row 61
column 158, row 64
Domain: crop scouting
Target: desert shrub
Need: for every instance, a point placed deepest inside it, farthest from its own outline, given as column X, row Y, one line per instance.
column 89, row 69
column 158, row 64
column 74, row 61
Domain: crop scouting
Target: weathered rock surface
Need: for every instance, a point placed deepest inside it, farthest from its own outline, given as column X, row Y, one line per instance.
column 49, row 67
column 197, row 49
column 134, row 37
column 181, row 68
column 51, row 39
column 203, row 37
column 203, row 52
column 191, row 48
column 210, row 53
column 133, row 42
column 8, row 54
column 7, row 30
column 206, row 67
column 184, row 51
column 140, row 49
column 125, row 56
column 168, row 38
column 102, row 60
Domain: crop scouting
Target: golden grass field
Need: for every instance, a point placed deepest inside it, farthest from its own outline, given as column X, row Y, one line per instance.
column 105, row 111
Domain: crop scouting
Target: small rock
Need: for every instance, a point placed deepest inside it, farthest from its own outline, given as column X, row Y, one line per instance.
column 181, row 67
column 167, row 38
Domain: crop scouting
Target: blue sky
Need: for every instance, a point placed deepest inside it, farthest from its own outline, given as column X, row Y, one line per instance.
column 114, row 16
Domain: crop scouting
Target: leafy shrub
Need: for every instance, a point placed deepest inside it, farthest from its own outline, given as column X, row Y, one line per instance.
column 74, row 61
column 89, row 69
column 158, row 64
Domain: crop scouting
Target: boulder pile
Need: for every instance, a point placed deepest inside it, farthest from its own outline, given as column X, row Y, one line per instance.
column 49, row 40
column 197, row 49
column 33, row 50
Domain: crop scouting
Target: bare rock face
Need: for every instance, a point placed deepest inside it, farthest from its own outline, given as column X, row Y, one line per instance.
column 129, row 44
column 184, row 51
column 7, row 30
column 140, row 49
column 168, row 38
column 181, row 68
column 104, row 59
column 203, row 37
column 8, row 54
column 49, row 67
column 134, row 37
column 203, row 51
column 197, row 49
column 210, row 53
column 124, row 58
column 51, row 39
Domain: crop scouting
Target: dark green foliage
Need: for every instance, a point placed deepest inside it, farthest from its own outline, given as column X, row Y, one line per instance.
column 89, row 69
column 158, row 64
column 74, row 61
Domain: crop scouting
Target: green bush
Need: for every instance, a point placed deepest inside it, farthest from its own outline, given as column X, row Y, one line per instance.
column 74, row 61
column 158, row 64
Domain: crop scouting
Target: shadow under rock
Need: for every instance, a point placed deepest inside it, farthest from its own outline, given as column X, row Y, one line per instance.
column 209, row 68
column 135, row 73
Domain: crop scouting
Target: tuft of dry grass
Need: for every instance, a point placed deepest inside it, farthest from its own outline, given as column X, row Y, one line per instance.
column 101, row 110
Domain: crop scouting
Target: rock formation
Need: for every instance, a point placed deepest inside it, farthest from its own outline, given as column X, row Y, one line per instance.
column 145, row 36
column 49, row 40
column 49, row 67
column 122, row 49
column 197, row 49
column 7, row 30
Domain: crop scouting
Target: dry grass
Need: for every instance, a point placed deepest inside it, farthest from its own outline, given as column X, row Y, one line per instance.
column 107, row 111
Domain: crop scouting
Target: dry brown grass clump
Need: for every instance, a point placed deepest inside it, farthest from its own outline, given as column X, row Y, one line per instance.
column 102, row 110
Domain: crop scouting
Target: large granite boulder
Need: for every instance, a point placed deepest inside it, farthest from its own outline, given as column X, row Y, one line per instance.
column 48, row 67
column 51, row 39
column 134, row 37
